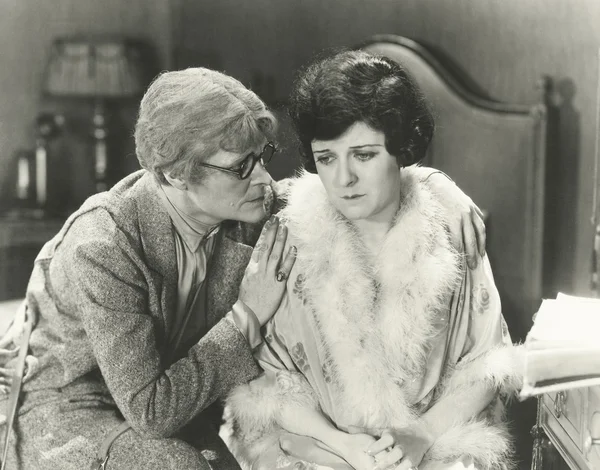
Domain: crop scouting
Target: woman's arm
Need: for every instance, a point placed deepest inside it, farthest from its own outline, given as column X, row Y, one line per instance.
column 304, row 418
column 156, row 398
column 103, row 281
column 459, row 407
column 264, row 412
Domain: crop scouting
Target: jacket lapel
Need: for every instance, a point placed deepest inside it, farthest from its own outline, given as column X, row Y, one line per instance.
column 227, row 268
column 156, row 234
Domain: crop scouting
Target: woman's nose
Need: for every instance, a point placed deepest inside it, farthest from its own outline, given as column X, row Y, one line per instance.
column 345, row 174
column 260, row 175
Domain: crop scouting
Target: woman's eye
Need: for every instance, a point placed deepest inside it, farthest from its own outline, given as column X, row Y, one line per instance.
column 325, row 159
column 240, row 166
column 364, row 156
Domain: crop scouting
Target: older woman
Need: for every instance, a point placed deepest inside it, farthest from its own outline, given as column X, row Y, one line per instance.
column 387, row 350
column 142, row 315
column 137, row 305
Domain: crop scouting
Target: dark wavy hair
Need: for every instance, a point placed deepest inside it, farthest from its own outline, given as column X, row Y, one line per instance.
column 354, row 86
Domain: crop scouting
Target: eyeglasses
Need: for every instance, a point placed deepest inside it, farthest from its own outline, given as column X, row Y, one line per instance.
column 245, row 168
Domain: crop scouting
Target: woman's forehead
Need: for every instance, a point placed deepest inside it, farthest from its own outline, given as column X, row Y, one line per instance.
column 358, row 134
column 239, row 144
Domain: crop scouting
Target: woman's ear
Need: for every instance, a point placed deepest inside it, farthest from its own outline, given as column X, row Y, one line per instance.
column 176, row 182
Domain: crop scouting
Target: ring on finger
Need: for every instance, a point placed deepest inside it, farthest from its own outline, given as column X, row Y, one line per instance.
column 281, row 276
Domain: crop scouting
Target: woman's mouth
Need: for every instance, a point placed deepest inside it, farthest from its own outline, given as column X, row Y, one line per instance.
column 352, row 196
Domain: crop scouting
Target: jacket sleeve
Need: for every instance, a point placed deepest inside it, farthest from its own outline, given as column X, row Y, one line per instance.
column 108, row 290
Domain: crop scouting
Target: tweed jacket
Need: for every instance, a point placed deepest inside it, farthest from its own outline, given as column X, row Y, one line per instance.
column 102, row 293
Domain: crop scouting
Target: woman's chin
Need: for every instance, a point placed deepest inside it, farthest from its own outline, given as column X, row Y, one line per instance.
column 354, row 213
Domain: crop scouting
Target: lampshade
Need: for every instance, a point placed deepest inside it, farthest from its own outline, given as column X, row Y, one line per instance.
column 94, row 67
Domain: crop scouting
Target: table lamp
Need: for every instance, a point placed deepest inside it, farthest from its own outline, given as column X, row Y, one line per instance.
column 99, row 69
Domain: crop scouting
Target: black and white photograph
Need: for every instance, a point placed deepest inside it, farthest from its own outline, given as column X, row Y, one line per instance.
column 300, row 235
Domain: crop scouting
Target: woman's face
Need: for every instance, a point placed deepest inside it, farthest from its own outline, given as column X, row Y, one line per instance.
column 223, row 196
column 361, row 178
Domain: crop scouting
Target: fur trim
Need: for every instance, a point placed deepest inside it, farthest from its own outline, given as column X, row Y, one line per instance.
column 501, row 368
column 489, row 446
column 252, row 411
column 338, row 271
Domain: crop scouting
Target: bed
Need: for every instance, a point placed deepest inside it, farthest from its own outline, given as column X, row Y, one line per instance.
column 496, row 153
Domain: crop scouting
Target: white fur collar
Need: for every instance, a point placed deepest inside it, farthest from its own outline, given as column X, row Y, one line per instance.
column 377, row 344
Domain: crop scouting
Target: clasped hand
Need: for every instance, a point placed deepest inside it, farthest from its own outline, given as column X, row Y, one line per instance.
column 401, row 449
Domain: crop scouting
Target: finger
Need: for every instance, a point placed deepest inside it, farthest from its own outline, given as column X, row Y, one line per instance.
column 406, row 464
column 270, row 235
column 7, row 354
column 469, row 241
column 479, row 225
column 288, row 263
column 308, row 449
column 390, row 458
column 265, row 241
column 386, row 440
column 6, row 340
column 277, row 250
column 260, row 243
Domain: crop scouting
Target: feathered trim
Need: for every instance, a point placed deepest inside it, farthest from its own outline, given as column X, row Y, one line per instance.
column 489, row 446
column 396, row 323
column 252, row 411
column 500, row 367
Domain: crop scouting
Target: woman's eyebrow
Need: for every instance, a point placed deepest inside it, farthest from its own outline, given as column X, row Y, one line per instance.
column 365, row 145
column 353, row 147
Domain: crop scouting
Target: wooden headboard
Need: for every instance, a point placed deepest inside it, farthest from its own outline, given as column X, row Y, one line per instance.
column 496, row 154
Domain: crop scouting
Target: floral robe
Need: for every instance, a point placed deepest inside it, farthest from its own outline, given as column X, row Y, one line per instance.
column 375, row 343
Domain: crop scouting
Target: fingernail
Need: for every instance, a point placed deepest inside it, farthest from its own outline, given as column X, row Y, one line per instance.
column 293, row 249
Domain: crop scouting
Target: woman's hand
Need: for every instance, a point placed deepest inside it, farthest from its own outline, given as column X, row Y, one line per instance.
column 401, row 449
column 303, row 449
column 466, row 224
column 264, row 283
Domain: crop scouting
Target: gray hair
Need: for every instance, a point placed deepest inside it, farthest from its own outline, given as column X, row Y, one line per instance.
column 188, row 115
